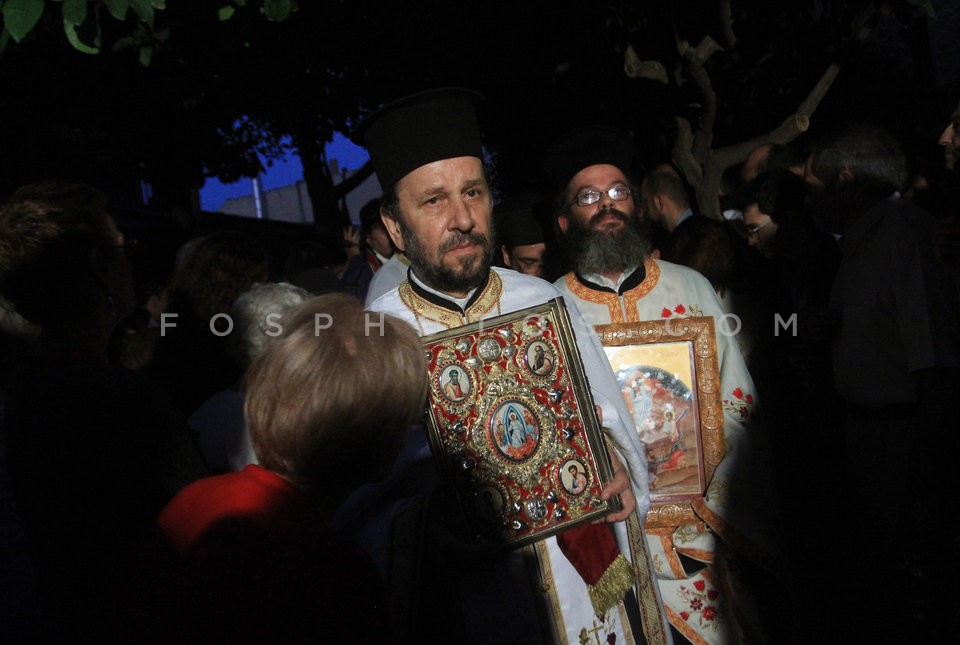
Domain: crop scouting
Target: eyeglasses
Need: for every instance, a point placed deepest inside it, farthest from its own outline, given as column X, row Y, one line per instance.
column 617, row 194
column 753, row 229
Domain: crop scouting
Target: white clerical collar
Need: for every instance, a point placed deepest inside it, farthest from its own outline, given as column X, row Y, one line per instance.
column 460, row 302
column 604, row 281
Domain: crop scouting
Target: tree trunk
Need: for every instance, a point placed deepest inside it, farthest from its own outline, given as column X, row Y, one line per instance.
column 328, row 218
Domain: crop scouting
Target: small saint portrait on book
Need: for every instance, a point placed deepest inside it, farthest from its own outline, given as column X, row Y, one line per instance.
column 454, row 383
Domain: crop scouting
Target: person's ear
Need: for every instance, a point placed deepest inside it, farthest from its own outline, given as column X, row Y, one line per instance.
column 506, row 254
column 658, row 201
column 562, row 223
column 393, row 229
column 846, row 176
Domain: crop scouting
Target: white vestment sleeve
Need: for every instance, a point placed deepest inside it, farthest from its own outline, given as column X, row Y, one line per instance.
column 616, row 417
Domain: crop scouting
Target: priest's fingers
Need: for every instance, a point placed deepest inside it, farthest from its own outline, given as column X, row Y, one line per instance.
column 619, row 485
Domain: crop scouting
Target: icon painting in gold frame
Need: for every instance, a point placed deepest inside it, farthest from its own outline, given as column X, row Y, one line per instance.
column 669, row 375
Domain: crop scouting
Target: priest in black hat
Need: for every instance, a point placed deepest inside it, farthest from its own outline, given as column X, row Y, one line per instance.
column 616, row 279
column 428, row 155
column 523, row 245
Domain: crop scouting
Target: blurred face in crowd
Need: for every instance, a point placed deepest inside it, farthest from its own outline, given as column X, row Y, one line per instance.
column 761, row 229
column 444, row 224
column 379, row 240
column 811, row 179
column 950, row 140
column 113, row 269
column 63, row 253
column 607, row 235
column 526, row 258
column 648, row 206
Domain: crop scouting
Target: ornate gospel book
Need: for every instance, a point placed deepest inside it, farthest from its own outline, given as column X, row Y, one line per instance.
column 513, row 427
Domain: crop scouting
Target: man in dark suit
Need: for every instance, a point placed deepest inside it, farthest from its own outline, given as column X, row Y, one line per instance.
column 896, row 353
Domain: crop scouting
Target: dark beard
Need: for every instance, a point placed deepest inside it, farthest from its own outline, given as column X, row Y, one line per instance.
column 471, row 273
column 595, row 251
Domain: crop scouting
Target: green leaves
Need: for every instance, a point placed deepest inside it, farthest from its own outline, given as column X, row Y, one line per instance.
column 146, row 55
column 117, row 8
column 79, row 45
column 277, row 10
column 926, row 5
column 273, row 10
column 144, row 10
column 74, row 12
column 20, row 16
column 74, row 15
column 82, row 27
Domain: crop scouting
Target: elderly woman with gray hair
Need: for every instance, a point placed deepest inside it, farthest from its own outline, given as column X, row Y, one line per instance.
column 257, row 318
column 251, row 556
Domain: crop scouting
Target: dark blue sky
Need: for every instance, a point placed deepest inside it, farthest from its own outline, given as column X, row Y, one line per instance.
column 282, row 173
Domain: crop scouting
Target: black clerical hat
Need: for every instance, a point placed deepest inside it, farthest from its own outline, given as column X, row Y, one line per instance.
column 589, row 146
column 420, row 129
column 518, row 224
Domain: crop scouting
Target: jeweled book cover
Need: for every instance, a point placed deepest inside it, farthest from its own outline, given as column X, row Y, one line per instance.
column 513, row 426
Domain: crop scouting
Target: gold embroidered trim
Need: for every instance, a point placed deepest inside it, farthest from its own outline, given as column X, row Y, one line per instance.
column 635, row 295
column 549, row 587
column 652, row 610
column 489, row 298
column 684, row 628
column 600, row 297
column 723, row 609
column 653, row 613
column 612, row 300
column 612, row 585
column 676, row 566
column 742, row 544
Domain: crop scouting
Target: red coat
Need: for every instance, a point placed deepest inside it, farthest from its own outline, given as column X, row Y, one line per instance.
column 249, row 558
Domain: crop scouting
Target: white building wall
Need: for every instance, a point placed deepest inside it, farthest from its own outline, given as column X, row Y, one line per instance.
column 291, row 203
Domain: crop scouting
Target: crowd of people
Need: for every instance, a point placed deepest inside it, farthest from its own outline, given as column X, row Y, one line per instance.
column 211, row 463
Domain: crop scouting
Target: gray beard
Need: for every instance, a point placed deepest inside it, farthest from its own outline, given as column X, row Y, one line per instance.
column 592, row 251
column 469, row 275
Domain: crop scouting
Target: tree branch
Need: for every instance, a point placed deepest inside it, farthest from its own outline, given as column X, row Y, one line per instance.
column 699, row 55
column 633, row 67
column 697, row 58
column 726, row 25
column 682, row 153
column 792, row 127
column 355, row 179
